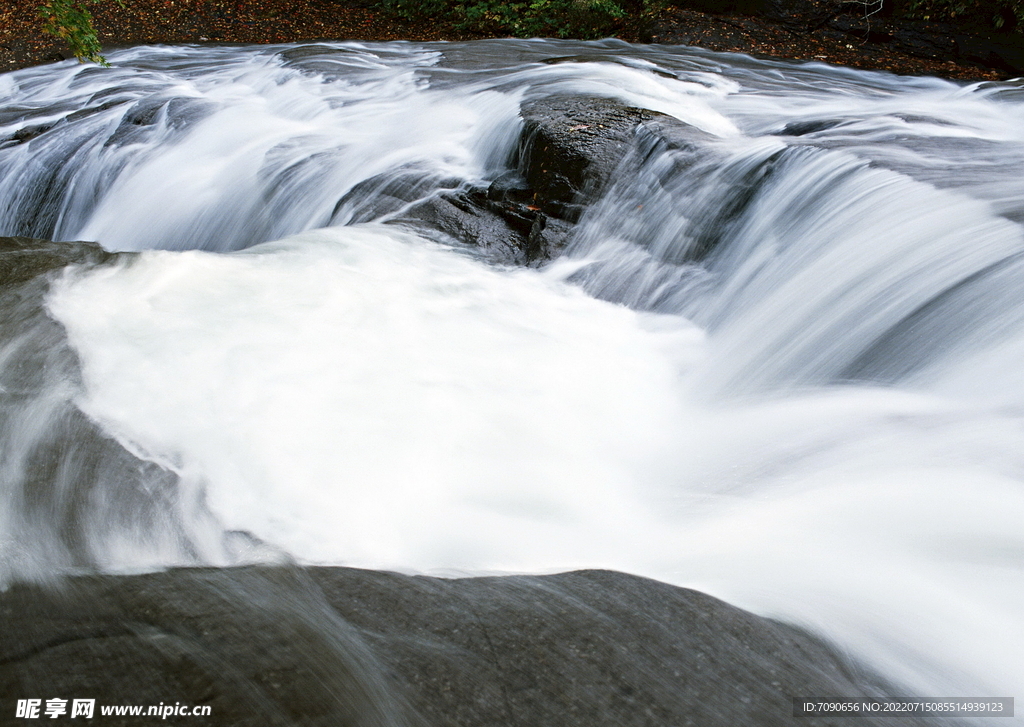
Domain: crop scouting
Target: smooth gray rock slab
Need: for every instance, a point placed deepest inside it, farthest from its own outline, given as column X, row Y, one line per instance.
column 340, row 646
column 23, row 258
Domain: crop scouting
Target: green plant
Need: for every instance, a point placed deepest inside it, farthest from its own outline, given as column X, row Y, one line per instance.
column 411, row 9
column 71, row 21
column 561, row 18
column 522, row 18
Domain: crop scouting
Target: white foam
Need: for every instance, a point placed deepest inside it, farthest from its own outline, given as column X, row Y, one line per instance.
column 360, row 396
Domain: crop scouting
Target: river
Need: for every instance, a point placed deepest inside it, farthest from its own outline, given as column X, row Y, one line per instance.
column 788, row 375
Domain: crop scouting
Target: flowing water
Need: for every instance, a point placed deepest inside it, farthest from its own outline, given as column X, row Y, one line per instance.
column 788, row 374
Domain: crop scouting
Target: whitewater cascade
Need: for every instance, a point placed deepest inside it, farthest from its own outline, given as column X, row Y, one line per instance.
column 787, row 374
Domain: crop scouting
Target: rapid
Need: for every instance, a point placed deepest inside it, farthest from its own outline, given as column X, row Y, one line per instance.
column 788, row 375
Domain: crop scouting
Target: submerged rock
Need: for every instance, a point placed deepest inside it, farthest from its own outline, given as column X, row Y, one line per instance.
column 340, row 646
column 500, row 228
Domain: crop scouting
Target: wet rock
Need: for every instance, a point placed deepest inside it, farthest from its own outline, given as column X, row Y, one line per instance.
column 813, row 126
column 339, row 646
column 570, row 150
column 260, row 649
column 23, row 258
column 387, row 194
column 149, row 115
column 500, row 230
column 548, row 237
column 25, row 134
column 571, row 147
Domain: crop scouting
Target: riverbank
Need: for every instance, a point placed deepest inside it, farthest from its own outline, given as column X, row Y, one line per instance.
column 808, row 31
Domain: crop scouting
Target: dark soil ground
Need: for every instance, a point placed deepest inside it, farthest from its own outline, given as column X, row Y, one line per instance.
column 805, row 30
column 899, row 46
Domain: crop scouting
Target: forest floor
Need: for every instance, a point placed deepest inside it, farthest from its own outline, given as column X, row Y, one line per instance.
column 882, row 44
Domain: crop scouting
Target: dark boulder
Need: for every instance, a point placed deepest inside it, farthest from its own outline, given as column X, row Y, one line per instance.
column 571, row 147
column 570, row 150
column 498, row 227
column 339, row 646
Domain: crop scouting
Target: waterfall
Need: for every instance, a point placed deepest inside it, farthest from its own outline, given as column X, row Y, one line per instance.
column 782, row 368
